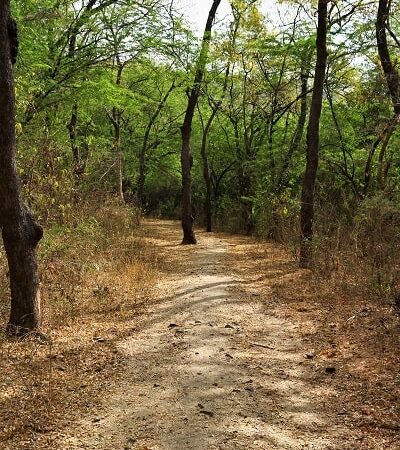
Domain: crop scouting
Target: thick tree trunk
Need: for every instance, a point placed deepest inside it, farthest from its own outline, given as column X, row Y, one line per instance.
column 392, row 79
column 308, row 191
column 19, row 230
column 389, row 69
column 186, row 131
column 393, row 83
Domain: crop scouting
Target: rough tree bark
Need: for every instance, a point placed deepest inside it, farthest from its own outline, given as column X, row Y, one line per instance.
column 20, row 232
column 186, row 131
column 389, row 68
column 392, row 79
column 393, row 82
column 308, row 190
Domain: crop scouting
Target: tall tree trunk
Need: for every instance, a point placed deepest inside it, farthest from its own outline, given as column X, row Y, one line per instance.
column 19, row 230
column 389, row 69
column 308, row 191
column 392, row 79
column 393, row 83
column 186, row 131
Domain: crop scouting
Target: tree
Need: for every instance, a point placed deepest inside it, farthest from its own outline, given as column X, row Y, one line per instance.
column 308, row 191
column 20, row 231
column 215, row 106
column 124, row 25
column 145, row 147
column 392, row 78
column 389, row 68
column 186, row 130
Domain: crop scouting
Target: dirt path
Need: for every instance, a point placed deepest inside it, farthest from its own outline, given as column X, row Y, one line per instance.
column 209, row 368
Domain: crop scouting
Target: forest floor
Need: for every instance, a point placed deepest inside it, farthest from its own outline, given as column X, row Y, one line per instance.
column 236, row 348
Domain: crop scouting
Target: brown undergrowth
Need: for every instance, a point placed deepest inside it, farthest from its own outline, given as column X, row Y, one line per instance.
column 351, row 339
column 96, row 274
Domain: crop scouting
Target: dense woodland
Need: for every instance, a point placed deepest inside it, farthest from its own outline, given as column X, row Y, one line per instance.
column 282, row 125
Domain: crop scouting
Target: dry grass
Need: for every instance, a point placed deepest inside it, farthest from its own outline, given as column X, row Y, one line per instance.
column 363, row 256
column 97, row 273
column 356, row 247
column 342, row 327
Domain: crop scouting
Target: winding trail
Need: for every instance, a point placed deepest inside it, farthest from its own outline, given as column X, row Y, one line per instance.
column 209, row 367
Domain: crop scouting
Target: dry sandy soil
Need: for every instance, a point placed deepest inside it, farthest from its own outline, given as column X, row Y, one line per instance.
column 238, row 349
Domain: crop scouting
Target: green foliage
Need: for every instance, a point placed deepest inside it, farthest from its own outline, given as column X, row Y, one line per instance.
column 70, row 57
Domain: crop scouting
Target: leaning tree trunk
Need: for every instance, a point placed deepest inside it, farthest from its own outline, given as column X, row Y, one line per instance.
column 19, row 230
column 186, row 131
column 392, row 79
column 308, row 191
column 389, row 68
